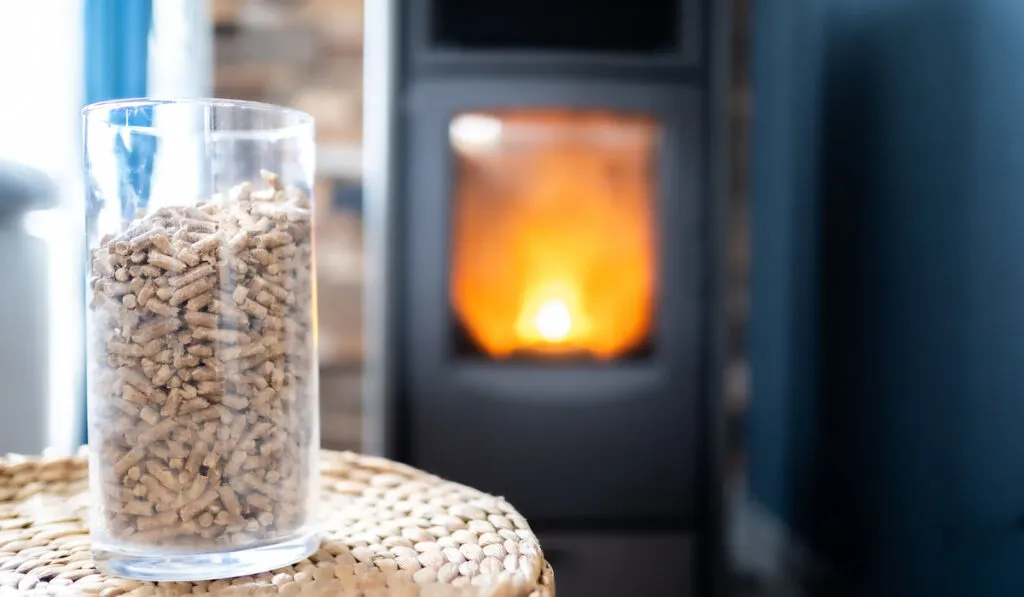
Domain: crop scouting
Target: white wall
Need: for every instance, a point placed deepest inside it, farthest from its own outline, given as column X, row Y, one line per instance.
column 40, row 97
column 181, row 49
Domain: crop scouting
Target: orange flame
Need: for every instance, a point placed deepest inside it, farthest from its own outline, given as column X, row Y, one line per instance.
column 554, row 231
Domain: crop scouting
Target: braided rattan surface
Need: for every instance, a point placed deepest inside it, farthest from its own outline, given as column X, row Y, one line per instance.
column 389, row 530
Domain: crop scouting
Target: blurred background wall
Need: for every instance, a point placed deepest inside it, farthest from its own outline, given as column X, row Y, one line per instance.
column 308, row 54
column 303, row 53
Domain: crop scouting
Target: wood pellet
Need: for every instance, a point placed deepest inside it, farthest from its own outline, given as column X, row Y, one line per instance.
column 202, row 371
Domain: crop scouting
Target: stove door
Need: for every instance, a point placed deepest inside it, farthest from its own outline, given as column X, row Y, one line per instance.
column 554, row 300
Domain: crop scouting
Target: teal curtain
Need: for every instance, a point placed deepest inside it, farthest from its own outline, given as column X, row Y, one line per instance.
column 888, row 274
column 116, row 57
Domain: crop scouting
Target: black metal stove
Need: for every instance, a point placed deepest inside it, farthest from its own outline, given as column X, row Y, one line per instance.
column 542, row 183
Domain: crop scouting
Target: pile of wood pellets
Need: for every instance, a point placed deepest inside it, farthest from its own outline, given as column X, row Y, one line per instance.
column 202, row 372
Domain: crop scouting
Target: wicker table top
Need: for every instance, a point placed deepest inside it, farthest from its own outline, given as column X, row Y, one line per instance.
column 390, row 530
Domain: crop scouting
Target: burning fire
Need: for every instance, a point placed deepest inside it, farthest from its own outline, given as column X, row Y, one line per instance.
column 553, row 322
column 553, row 246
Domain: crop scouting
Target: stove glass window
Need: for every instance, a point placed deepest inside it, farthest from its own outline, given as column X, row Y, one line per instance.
column 553, row 248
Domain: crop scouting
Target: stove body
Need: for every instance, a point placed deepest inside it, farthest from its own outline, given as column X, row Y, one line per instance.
column 595, row 414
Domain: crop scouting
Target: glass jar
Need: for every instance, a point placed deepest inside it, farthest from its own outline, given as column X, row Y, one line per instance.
column 202, row 362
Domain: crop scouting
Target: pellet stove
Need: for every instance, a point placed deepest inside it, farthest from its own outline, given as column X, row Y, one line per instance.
column 542, row 202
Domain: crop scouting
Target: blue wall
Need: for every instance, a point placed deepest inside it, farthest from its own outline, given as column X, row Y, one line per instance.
column 116, row 48
column 887, row 339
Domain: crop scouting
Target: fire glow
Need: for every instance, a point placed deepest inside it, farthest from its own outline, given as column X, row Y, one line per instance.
column 553, row 239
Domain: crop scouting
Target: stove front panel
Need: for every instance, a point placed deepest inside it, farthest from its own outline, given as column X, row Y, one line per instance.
column 555, row 252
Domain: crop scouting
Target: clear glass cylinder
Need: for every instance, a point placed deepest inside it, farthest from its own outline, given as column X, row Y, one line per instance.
column 201, row 330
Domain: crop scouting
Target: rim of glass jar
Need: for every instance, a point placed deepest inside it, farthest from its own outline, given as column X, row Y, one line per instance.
column 303, row 120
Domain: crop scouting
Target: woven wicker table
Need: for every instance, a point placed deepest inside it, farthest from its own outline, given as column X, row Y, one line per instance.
column 390, row 530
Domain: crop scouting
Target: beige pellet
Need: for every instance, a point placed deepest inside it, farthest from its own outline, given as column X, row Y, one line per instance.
column 128, row 408
column 125, row 349
column 208, row 243
column 170, row 407
column 195, row 456
column 253, row 308
column 161, row 498
column 253, row 481
column 206, row 388
column 225, row 518
column 259, row 501
column 147, row 292
column 160, row 451
column 230, row 500
column 237, row 428
column 198, row 303
column 139, row 237
column 265, row 298
column 234, row 463
column 284, row 252
column 204, row 225
column 234, row 402
column 200, row 350
column 193, row 290
column 203, row 374
column 193, row 508
column 189, row 257
column 163, row 475
column 206, row 414
column 192, row 405
column 162, row 375
column 274, row 239
column 176, row 446
column 198, row 487
column 211, row 460
column 155, row 329
column 202, row 320
column 193, row 275
column 239, row 241
column 158, row 306
column 153, row 349
column 229, row 312
column 137, row 380
column 149, row 415
column 232, row 353
column 156, row 521
column 184, row 362
column 221, row 335
column 161, row 242
column 262, row 257
column 166, row 262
